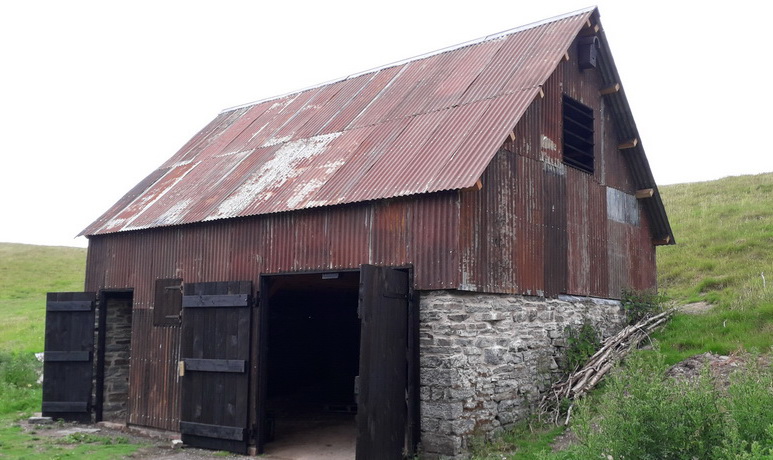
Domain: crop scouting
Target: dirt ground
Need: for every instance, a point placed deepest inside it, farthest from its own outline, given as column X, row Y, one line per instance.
column 153, row 447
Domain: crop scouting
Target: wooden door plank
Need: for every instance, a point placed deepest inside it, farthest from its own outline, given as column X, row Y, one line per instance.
column 69, row 346
column 216, row 350
column 382, row 407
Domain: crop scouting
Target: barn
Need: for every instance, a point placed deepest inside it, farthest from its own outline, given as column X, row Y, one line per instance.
column 390, row 259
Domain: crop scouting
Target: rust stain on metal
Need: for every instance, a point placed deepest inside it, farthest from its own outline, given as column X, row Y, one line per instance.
column 441, row 118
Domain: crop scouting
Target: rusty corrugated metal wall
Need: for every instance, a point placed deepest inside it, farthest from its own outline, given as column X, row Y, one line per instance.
column 541, row 227
column 396, row 232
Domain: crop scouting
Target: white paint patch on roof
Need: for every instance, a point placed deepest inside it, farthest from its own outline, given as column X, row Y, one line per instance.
column 273, row 174
column 173, row 214
column 276, row 140
column 302, row 191
column 147, row 202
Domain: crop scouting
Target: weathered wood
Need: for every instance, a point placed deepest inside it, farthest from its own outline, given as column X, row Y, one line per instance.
column 382, row 414
column 628, row 144
column 215, row 350
column 69, row 345
column 63, row 356
column 65, row 406
column 660, row 242
column 70, row 305
column 645, row 193
column 233, row 433
column 167, row 302
column 215, row 365
column 610, row 89
column 613, row 349
column 223, row 300
column 478, row 185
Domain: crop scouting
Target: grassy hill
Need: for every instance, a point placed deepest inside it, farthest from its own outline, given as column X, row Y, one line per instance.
column 26, row 273
column 724, row 256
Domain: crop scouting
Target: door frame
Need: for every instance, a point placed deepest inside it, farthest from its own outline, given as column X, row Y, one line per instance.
column 260, row 351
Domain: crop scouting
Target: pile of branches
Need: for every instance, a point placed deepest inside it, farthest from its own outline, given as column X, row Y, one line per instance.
column 582, row 380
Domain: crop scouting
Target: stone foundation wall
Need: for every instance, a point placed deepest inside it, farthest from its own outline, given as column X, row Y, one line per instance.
column 117, row 359
column 487, row 358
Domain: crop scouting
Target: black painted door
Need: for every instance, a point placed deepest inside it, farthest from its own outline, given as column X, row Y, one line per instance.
column 215, row 363
column 382, row 409
column 69, row 354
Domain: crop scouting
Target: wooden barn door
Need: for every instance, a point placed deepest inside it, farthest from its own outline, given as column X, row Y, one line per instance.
column 69, row 354
column 215, row 363
column 382, row 413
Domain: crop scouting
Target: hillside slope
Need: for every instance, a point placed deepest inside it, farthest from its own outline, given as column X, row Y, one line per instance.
column 27, row 272
column 724, row 256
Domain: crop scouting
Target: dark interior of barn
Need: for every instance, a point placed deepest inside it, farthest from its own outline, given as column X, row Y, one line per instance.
column 313, row 359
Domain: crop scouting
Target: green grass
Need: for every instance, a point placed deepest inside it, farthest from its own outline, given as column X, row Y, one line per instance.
column 26, row 273
column 724, row 233
column 20, row 445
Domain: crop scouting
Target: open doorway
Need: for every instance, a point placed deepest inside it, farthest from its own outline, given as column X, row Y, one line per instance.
column 113, row 355
column 313, row 352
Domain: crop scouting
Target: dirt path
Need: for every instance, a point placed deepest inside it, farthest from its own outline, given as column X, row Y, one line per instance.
column 152, row 447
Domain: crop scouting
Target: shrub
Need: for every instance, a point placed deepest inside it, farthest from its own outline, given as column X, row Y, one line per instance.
column 19, row 369
column 581, row 344
column 644, row 415
column 640, row 304
column 750, row 404
column 19, row 390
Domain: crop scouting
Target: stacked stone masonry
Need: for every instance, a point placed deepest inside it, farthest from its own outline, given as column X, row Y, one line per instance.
column 117, row 359
column 486, row 359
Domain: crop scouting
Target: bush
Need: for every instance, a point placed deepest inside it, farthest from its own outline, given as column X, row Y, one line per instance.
column 644, row 415
column 581, row 344
column 19, row 369
column 640, row 304
column 19, row 390
column 750, row 404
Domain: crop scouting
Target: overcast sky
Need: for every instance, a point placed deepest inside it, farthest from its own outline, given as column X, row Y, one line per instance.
column 94, row 95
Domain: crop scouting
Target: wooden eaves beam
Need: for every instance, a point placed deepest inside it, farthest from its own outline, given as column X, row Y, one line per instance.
column 628, row 144
column 610, row 89
column 645, row 193
column 477, row 186
column 665, row 240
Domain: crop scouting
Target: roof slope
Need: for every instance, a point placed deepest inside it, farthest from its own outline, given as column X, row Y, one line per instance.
column 424, row 125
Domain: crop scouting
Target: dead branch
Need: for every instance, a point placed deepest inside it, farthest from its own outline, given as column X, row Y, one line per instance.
column 612, row 350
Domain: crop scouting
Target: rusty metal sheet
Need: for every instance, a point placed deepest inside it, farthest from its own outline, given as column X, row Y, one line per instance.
column 309, row 129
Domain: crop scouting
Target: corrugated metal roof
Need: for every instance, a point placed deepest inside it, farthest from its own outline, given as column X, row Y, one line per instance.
column 427, row 124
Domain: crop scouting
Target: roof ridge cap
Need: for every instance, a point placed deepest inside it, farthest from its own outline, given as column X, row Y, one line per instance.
column 475, row 41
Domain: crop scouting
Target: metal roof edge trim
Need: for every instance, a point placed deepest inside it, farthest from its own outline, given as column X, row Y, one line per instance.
column 475, row 41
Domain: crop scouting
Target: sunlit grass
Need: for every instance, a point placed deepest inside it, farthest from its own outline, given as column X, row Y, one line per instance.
column 724, row 256
column 27, row 273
